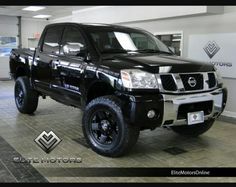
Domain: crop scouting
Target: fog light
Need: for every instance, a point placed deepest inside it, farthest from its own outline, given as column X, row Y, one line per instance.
column 151, row 114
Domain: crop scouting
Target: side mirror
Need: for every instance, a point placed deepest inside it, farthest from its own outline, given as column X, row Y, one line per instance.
column 71, row 49
column 172, row 49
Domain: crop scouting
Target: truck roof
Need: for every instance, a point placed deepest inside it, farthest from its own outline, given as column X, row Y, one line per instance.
column 86, row 25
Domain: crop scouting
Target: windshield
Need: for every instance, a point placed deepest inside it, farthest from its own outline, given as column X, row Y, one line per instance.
column 112, row 41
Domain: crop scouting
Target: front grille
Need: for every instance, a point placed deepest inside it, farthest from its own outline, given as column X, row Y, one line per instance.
column 168, row 82
column 184, row 82
column 211, row 80
column 188, row 81
column 205, row 106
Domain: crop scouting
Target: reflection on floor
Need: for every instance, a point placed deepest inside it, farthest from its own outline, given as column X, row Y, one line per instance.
column 216, row 148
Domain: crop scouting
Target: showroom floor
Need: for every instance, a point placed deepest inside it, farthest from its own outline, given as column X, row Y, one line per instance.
column 216, row 148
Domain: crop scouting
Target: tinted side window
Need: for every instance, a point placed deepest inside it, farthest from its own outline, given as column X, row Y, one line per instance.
column 72, row 36
column 106, row 40
column 52, row 39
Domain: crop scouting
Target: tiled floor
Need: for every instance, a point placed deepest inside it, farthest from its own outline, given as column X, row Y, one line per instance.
column 13, row 171
column 216, row 148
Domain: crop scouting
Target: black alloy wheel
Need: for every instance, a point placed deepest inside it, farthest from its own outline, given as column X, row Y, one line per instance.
column 103, row 128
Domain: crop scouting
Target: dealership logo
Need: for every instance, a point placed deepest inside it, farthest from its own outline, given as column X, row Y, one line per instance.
column 194, row 116
column 192, row 81
column 47, row 141
column 211, row 48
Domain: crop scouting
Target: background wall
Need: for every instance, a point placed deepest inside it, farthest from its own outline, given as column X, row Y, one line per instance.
column 63, row 19
column 8, row 25
column 189, row 19
column 29, row 27
column 121, row 14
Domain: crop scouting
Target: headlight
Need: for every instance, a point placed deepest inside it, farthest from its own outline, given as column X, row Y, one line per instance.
column 218, row 77
column 135, row 78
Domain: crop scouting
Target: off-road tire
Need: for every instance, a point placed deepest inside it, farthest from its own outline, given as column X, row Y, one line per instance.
column 26, row 98
column 127, row 134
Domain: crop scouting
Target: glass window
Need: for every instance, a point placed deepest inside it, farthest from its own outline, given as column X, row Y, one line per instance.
column 6, row 45
column 124, row 41
column 142, row 41
column 73, row 36
column 52, row 39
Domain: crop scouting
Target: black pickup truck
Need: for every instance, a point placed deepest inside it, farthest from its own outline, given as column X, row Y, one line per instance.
column 124, row 79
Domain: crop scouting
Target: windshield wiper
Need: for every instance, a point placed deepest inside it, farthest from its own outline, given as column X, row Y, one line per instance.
column 115, row 51
column 130, row 51
column 152, row 51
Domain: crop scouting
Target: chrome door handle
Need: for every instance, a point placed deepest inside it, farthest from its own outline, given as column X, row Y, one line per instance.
column 36, row 61
column 55, row 64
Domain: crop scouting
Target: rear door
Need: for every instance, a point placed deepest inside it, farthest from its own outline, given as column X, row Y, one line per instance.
column 48, row 51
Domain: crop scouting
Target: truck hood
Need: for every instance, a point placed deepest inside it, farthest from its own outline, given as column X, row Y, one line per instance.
column 155, row 63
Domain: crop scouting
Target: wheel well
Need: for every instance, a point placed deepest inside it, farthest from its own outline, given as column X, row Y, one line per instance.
column 99, row 89
column 20, row 71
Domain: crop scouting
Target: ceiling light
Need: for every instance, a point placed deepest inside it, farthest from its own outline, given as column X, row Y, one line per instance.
column 42, row 16
column 33, row 8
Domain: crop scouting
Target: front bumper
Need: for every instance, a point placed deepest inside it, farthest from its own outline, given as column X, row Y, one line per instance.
column 168, row 106
column 172, row 105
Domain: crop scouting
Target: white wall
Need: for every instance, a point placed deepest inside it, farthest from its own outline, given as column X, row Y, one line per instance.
column 63, row 19
column 29, row 27
column 8, row 27
column 117, row 14
column 189, row 19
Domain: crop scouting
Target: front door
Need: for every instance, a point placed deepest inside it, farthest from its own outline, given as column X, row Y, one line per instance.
column 67, row 69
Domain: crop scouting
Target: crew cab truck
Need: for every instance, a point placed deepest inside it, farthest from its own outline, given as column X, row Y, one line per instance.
column 124, row 79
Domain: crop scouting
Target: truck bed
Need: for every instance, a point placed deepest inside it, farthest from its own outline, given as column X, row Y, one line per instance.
column 25, row 52
column 19, row 60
